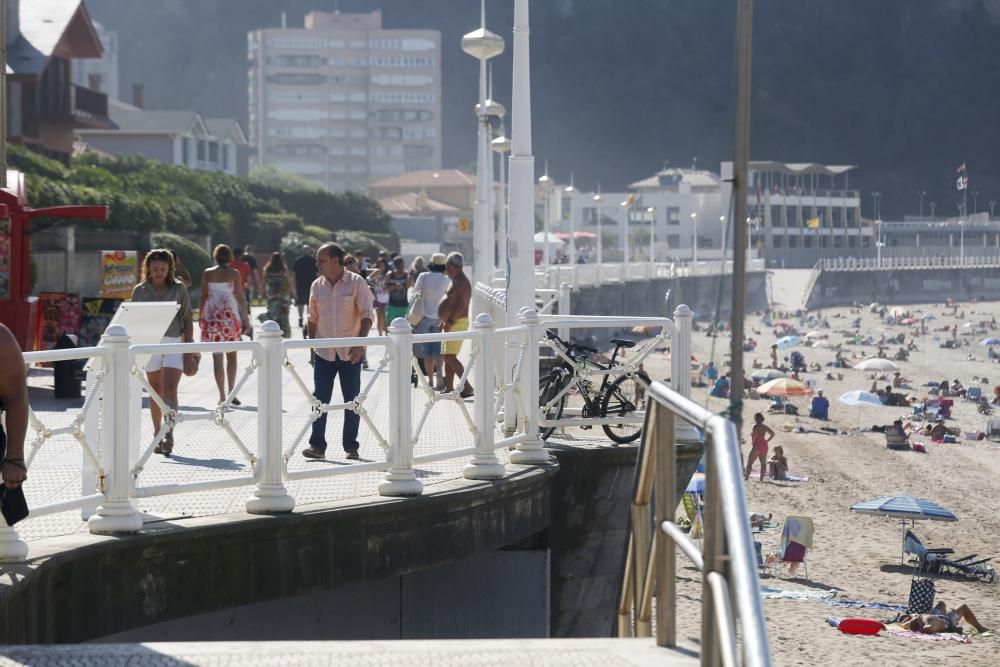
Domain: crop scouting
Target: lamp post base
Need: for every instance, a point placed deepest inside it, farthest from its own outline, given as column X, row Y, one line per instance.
column 484, row 466
column 401, row 483
column 12, row 548
column 530, row 453
column 115, row 517
column 270, row 499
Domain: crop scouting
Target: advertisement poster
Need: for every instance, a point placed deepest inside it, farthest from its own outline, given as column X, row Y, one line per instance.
column 4, row 260
column 95, row 314
column 119, row 270
column 58, row 313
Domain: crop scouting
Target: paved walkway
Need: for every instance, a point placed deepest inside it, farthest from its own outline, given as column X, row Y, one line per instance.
column 425, row 653
column 204, row 451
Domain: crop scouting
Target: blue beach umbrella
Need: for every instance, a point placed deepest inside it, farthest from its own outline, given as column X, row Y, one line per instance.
column 904, row 508
column 766, row 374
column 990, row 341
column 788, row 342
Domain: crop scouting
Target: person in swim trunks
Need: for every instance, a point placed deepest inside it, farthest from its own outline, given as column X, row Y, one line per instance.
column 453, row 312
column 941, row 620
column 760, row 436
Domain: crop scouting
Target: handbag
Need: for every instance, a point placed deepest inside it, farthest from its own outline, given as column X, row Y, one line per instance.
column 191, row 361
column 921, row 596
column 415, row 312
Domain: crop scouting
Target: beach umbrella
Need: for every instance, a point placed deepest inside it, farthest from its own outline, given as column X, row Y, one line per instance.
column 788, row 342
column 765, row 374
column 876, row 364
column 860, row 399
column 816, row 334
column 929, row 316
column 786, row 387
column 822, row 342
column 697, row 484
column 904, row 508
column 990, row 341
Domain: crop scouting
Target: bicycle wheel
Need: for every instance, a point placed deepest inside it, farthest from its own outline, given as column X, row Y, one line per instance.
column 548, row 388
column 623, row 398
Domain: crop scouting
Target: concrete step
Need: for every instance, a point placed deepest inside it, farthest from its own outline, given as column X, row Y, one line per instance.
column 430, row 652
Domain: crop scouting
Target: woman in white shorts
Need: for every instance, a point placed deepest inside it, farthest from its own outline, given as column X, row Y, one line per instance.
column 160, row 283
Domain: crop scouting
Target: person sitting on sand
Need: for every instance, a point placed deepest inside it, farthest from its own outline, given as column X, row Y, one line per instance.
column 820, row 406
column 778, row 465
column 957, row 389
column 941, row 620
column 939, row 430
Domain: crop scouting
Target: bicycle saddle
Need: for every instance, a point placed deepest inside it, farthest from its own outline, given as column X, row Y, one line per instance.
column 620, row 342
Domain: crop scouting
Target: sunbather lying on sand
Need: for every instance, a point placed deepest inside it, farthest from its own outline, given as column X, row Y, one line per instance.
column 941, row 620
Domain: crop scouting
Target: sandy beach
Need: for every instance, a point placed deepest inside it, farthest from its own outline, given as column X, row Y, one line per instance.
column 857, row 557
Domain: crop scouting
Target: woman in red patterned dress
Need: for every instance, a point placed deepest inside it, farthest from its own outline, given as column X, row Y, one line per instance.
column 223, row 308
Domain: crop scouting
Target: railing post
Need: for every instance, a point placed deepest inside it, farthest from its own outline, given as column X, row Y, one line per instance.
column 270, row 496
column 713, row 550
column 116, row 513
column 484, row 464
column 532, row 450
column 680, row 352
column 665, row 483
column 565, row 296
column 400, row 479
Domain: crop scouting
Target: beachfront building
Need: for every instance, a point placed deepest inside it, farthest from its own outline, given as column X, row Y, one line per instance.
column 801, row 212
column 44, row 106
column 343, row 101
column 976, row 236
column 100, row 74
column 183, row 138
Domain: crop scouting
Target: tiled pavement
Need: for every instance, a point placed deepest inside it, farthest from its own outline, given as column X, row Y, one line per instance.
column 204, row 451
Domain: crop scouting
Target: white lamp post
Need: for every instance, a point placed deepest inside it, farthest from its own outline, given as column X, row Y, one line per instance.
column 600, row 238
column 722, row 239
column 482, row 45
column 878, row 242
column 694, row 238
column 501, row 145
column 547, row 184
column 627, row 205
column 652, row 241
column 570, row 191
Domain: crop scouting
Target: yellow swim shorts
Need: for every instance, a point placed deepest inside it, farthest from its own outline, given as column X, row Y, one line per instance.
column 455, row 346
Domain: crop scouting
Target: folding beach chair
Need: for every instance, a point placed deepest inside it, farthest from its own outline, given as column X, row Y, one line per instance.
column 896, row 439
column 974, row 393
column 796, row 540
column 940, row 561
column 993, row 429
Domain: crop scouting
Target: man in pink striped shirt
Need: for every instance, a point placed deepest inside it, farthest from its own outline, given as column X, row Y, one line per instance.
column 341, row 305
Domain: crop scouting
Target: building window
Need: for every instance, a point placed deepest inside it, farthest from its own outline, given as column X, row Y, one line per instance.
column 673, row 215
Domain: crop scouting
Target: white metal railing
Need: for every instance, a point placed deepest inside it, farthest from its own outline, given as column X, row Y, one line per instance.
column 912, row 263
column 730, row 595
column 590, row 275
column 503, row 366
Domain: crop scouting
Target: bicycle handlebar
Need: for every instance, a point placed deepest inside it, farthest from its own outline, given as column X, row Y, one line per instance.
column 569, row 346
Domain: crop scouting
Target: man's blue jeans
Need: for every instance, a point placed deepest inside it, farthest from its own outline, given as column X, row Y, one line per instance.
column 324, row 373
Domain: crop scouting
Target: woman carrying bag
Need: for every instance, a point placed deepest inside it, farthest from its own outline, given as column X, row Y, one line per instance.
column 160, row 283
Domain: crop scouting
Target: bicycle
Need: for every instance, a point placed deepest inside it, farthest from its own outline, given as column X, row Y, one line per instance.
column 622, row 396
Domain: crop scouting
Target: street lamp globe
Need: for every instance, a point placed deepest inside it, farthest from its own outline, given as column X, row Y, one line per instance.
column 501, row 144
column 492, row 109
column 482, row 44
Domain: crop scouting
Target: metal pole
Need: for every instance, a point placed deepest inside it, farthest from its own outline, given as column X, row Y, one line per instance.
column 521, row 176
column 741, row 157
column 484, row 463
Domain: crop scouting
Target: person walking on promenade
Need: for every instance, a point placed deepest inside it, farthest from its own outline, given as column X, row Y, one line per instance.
column 160, row 283
column 396, row 284
column 256, row 279
column 416, row 268
column 430, row 289
column 304, row 269
column 340, row 306
column 453, row 312
column 14, row 398
column 223, row 308
column 278, row 292
column 760, row 436
column 240, row 263
column 376, row 280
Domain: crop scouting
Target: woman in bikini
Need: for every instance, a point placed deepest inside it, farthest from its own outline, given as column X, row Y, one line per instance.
column 760, row 436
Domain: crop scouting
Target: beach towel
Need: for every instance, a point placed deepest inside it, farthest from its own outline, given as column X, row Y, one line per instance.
column 856, row 604
column 897, row 631
column 769, row 593
column 798, row 530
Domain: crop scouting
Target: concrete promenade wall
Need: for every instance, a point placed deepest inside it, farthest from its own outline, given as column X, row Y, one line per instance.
column 89, row 587
column 646, row 298
column 901, row 286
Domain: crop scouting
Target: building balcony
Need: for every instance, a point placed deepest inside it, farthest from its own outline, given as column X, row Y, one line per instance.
column 83, row 107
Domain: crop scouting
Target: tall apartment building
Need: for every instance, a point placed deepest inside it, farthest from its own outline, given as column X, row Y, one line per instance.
column 343, row 101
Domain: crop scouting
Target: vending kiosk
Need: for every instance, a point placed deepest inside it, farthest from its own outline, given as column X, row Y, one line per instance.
column 17, row 307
